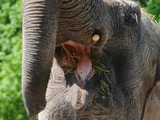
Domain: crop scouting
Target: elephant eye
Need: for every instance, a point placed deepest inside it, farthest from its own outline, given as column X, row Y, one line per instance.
column 131, row 19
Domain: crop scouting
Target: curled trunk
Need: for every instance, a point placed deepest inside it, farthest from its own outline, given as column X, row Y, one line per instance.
column 47, row 23
column 39, row 38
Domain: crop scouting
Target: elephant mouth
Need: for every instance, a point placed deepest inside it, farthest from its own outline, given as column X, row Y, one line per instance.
column 77, row 59
column 84, row 72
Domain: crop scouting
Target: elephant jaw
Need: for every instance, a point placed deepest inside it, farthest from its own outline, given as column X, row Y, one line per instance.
column 77, row 55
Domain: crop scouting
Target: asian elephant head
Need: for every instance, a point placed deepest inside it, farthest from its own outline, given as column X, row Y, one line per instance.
column 90, row 59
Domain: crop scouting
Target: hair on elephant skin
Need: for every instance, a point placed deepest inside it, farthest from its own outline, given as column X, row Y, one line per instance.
column 90, row 60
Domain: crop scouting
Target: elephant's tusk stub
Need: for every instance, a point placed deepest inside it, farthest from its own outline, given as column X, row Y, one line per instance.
column 95, row 38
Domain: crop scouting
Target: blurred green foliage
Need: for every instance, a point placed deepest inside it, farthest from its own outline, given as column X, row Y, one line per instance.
column 11, row 105
column 152, row 7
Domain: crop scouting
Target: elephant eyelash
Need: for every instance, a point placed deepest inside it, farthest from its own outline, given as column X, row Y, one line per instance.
column 131, row 19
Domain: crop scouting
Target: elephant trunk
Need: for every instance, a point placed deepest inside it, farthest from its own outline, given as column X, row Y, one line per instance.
column 39, row 39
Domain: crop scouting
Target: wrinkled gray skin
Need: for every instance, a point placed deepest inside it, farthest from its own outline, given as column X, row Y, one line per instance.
column 129, row 48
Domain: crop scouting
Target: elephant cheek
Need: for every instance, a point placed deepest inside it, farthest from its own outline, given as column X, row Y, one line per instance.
column 39, row 31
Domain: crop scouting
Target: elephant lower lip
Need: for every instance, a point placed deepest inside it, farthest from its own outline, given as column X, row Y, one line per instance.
column 84, row 69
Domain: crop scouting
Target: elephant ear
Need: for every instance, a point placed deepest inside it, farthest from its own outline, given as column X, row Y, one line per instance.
column 152, row 106
column 39, row 39
column 158, row 63
column 158, row 59
column 151, row 33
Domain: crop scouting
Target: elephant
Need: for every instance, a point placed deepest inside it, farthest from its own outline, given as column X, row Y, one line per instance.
column 90, row 60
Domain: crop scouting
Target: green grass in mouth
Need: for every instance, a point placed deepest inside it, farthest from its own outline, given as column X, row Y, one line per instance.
column 103, row 74
column 105, row 82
